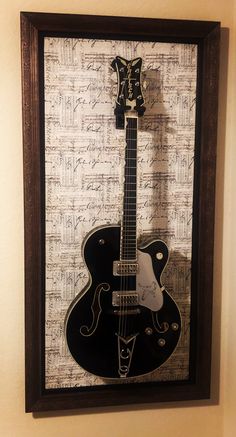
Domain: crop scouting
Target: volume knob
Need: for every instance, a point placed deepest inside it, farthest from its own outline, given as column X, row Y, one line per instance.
column 161, row 342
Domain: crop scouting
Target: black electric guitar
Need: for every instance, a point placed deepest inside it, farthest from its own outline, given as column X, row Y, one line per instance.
column 124, row 323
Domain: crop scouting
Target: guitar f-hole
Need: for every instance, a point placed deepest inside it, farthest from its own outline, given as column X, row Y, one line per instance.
column 96, row 309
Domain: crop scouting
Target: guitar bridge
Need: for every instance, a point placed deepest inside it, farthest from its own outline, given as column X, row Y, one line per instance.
column 125, row 268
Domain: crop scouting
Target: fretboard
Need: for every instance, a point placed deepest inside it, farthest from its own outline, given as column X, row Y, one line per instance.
column 128, row 248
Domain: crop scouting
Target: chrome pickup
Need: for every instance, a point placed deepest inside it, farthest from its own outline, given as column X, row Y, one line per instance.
column 125, row 299
column 125, row 268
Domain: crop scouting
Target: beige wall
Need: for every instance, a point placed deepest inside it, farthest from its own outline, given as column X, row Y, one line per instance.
column 214, row 418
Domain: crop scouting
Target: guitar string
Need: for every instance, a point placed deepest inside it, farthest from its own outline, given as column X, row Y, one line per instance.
column 131, row 174
column 131, row 158
column 126, row 281
column 127, row 200
column 129, row 194
column 134, row 180
column 121, row 318
column 125, row 214
column 121, row 309
column 124, row 230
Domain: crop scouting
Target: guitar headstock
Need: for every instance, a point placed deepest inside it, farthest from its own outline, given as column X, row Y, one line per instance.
column 129, row 97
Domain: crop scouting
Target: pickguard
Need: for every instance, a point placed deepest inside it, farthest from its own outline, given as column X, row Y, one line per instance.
column 148, row 289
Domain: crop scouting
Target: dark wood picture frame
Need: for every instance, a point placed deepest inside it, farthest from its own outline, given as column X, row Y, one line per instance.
column 34, row 27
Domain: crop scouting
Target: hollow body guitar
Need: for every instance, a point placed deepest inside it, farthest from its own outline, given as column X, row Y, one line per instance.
column 124, row 323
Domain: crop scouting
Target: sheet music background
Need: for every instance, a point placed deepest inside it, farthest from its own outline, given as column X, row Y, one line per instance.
column 84, row 156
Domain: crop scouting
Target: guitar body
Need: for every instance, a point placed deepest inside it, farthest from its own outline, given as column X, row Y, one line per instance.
column 114, row 338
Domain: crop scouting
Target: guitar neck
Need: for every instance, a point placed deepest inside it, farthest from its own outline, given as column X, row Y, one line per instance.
column 128, row 244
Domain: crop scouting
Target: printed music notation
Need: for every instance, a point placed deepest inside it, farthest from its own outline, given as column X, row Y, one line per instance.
column 84, row 156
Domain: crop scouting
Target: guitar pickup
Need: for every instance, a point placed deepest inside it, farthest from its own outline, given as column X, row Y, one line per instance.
column 125, row 268
column 125, row 299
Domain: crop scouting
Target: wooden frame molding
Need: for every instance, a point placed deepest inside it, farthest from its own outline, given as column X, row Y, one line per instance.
column 34, row 27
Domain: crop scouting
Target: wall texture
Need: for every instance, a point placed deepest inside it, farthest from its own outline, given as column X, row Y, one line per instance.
column 214, row 418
